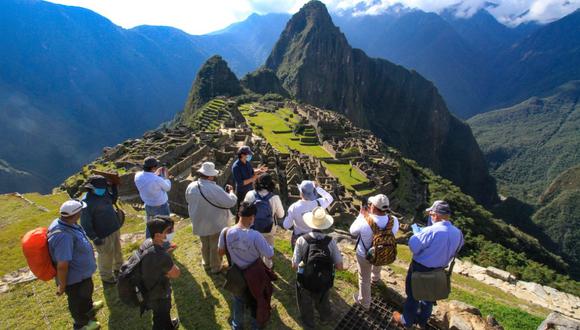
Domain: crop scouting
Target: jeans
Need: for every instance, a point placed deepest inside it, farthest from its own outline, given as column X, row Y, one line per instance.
column 416, row 311
column 161, row 314
column 306, row 300
column 239, row 312
column 80, row 302
column 152, row 211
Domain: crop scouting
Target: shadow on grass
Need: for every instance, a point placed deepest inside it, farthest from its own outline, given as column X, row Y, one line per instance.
column 122, row 316
column 193, row 300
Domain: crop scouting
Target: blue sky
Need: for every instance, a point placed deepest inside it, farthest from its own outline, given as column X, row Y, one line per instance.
column 203, row 16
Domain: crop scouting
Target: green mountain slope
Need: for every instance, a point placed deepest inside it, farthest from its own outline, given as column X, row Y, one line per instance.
column 530, row 144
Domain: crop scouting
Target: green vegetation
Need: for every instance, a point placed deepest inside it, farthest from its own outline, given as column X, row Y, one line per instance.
column 71, row 184
column 209, row 117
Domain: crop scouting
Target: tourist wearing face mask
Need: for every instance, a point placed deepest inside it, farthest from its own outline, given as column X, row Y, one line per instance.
column 100, row 222
column 158, row 269
column 244, row 174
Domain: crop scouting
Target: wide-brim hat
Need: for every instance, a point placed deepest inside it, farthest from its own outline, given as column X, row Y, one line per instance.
column 318, row 219
column 96, row 182
column 208, row 169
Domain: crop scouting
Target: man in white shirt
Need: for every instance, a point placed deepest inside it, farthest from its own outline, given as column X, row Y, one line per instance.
column 377, row 211
column 153, row 186
column 209, row 209
column 307, row 203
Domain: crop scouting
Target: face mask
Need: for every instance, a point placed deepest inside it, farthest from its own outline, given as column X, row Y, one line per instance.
column 169, row 237
column 249, row 158
column 99, row 191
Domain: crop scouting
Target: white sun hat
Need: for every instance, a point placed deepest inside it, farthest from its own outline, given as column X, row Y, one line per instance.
column 318, row 219
column 208, row 169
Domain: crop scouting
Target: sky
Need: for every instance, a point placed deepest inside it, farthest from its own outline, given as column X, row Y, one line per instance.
column 203, row 16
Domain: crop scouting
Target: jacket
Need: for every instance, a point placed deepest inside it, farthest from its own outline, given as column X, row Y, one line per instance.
column 99, row 218
column 207, row 219
column 259, row 279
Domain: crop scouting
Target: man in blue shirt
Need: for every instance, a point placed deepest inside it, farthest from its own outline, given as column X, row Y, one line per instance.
column 433, row 247
column 244, row 174
column 73, row 254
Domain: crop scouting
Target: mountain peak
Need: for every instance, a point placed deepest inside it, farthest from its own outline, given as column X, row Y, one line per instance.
column 213, row 79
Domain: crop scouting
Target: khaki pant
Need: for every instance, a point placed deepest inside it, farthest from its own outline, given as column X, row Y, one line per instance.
column 366, row 274
column 110, row 256
column 270, row 239
column 211, row 260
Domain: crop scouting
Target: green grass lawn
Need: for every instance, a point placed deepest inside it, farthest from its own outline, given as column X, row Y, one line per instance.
column 271, row 122
column 198, row 298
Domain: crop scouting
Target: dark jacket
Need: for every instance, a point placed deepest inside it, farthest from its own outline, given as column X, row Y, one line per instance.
column 259, row 279
column 99, row 218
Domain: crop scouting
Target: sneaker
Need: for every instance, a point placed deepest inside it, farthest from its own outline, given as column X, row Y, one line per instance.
column 356, row 301
column 92, row 325
column 175, row 323
column 98, row 305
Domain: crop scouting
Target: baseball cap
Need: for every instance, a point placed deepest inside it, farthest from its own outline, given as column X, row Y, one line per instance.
column 96, row 181
column 245, row 150
column 308, row 190
column 150, row 162
column 380, row 201
column 439, row 207
column 71, row 207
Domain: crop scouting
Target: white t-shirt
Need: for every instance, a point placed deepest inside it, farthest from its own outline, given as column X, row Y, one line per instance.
column 361, row 228
column 152, row 188
column 298, row 208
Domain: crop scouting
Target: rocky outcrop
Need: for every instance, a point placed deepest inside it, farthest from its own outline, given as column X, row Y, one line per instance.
column 263, row 81
column 456, row 315
column 213, row 79
column 316, row 65
column 557, row 321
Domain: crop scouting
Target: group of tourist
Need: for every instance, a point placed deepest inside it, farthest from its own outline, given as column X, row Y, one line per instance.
column 246, row 240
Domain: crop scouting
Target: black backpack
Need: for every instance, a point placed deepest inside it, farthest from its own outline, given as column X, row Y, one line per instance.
column 318, row 273
column 130, row 285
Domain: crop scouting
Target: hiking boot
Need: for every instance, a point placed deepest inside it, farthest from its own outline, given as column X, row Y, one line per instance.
column 92, row 325
column 98, row 305
column 175, row 323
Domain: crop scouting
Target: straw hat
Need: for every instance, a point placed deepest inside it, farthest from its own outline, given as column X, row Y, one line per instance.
column 318, row 219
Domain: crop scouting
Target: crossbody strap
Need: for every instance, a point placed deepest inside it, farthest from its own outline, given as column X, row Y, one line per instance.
column 226, row 247
column 207, row 200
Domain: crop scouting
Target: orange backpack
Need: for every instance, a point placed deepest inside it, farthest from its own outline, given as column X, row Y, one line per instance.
column 35, row 249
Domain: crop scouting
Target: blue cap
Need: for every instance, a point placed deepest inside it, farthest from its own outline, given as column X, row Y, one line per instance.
column 308, row 190
column 245, row 150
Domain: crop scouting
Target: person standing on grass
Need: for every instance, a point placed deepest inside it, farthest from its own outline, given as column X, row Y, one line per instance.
column 269, row 209
column 153, row 184
column 373, row 218
column 315, row 258
column 245, row 247
column 72, row 253
column 209, row 209
column 433, row 248
column 244, row 174
column 101, row 223
column 309, row 191
column 157, row 269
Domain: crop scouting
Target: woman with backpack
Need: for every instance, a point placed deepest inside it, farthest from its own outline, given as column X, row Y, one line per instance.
column 269, row 209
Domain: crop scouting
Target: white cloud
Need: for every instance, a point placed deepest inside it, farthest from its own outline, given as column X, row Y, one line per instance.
column 203, row 16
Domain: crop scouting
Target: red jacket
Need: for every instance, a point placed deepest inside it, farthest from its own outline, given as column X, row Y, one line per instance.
column 259, row 279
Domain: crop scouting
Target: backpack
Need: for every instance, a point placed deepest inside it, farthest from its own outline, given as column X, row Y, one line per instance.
column 383, row 249
column 264, row 217
column 318, row 273
column 37, row 254
column 130, row 287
